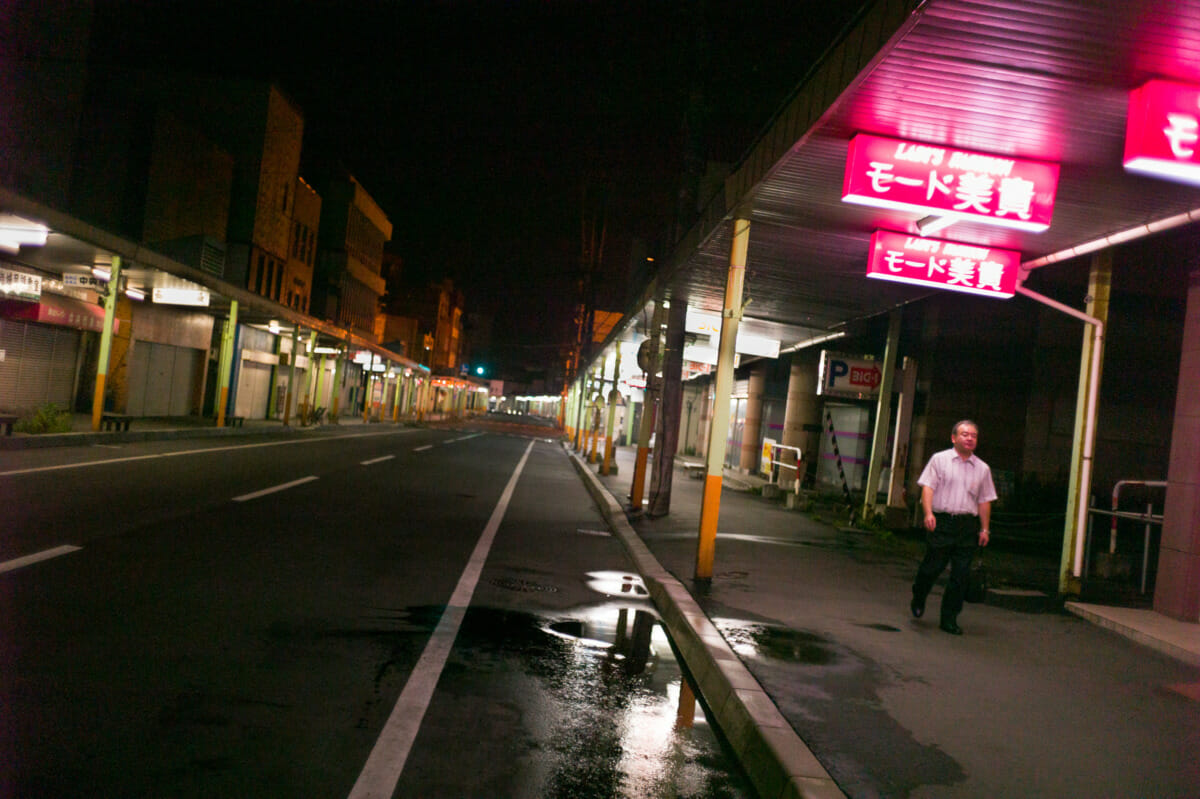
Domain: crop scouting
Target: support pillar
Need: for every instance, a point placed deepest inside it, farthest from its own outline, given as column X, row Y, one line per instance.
column 1177, row 586
column 883, row 415
column 110, row 311
column 669, row 410
column 649, row 394
column 802, row 411
column 225, row 367
column 748, row 459
column 614, row 396
column 287, row 395
column 731, row 314
column 1080, row 486
column 904, row 412
column 336, row 392
column 581, row 392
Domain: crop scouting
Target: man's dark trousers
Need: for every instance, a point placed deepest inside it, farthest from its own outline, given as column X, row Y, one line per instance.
column 953, row 541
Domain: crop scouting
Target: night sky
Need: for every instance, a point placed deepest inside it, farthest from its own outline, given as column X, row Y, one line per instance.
column 487, row 131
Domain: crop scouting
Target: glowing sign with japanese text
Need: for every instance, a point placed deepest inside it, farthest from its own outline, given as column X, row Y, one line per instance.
column 942, row 264
column 1162, row 133
column 943, row 181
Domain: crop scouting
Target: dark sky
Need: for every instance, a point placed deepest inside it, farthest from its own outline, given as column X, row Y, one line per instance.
column 487, row 130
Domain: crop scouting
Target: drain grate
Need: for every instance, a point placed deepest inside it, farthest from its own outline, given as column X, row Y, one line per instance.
column 526, row 586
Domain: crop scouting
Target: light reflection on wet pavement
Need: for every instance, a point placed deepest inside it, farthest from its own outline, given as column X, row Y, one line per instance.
column 596, row 707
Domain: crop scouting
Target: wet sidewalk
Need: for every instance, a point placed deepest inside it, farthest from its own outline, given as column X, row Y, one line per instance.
column 877, row 703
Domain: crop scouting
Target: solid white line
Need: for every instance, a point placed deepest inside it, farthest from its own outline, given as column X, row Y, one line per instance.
column 195, row 452
column 381, row 773
column 422, row 449
column 376, row 460
column 273, row 489
column 45, row 554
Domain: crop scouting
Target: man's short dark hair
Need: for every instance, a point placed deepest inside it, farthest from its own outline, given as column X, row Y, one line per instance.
column 954, row 430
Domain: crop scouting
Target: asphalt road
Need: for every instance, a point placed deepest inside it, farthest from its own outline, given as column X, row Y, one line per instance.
column 367, row 612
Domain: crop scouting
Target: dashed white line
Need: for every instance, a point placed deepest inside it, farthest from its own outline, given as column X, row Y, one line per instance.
column 422, row 449
column 45, row 554
column 376, row 460
column 273, row 489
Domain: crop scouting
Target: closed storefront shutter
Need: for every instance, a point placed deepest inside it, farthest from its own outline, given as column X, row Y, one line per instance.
column 253, row 390
column 163, row 379
column 38, row 366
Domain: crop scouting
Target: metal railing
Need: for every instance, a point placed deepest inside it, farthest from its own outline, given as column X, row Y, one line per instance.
column 1148, row 518
column 776, row 465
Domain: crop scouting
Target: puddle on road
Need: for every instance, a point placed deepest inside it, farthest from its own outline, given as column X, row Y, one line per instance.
column 755, row 640
column 598, row 707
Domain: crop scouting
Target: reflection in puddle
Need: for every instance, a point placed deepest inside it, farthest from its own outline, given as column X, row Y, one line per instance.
column 611, row 715
column 614, row 583
column 755, row 640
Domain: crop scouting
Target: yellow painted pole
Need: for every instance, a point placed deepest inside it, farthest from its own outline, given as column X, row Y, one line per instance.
column 613, row 395
column 367, row 396
column 710, row 508
column 110, row 312
column 646, row 427
column 396, row 398
column 336, row 388
column 1079, row 487
column 581, row 413
column 226, row 363
column 287, row 397
column 594, row 419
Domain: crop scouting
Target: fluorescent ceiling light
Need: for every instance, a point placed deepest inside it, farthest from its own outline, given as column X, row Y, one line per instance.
column 931, row 224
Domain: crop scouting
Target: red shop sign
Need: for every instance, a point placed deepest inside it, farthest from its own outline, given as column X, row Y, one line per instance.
column 1162, row 133
column 942, row 264
column 943, row 181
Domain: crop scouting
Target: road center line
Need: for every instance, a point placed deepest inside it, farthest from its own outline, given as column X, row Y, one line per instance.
column 376, row 460
column 28, row 560
column 422, row 449
column 273, row 489
column 382, row 771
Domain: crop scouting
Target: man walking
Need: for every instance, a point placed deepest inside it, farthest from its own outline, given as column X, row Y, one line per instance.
column 956, row 496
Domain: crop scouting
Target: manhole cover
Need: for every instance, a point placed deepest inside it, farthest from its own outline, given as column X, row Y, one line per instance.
column 527, row 586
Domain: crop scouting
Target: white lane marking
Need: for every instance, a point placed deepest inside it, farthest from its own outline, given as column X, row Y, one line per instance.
column 381, row 773
column 45, row 554
column 422, row 449
column 273, row 489
column 604, row 533
column 464, row 438
column 195, row 452
column 376, row 460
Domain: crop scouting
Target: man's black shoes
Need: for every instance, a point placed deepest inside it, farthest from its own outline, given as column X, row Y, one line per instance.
column 950, row 627
column 917, row 606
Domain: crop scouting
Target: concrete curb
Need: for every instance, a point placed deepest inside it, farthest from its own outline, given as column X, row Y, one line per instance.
column 1146, row 628
column 777, row 761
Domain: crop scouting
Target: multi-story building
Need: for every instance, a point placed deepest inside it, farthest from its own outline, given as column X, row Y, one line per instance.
column 302, row 256
column 347, row 282
column 432, row 320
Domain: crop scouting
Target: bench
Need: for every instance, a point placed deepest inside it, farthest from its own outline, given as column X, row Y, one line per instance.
column 7, row 420
column 115, row 421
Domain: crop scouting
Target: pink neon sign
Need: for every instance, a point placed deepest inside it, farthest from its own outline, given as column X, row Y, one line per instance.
column 1162, row 133
column 952, row 265
column 943, row 181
